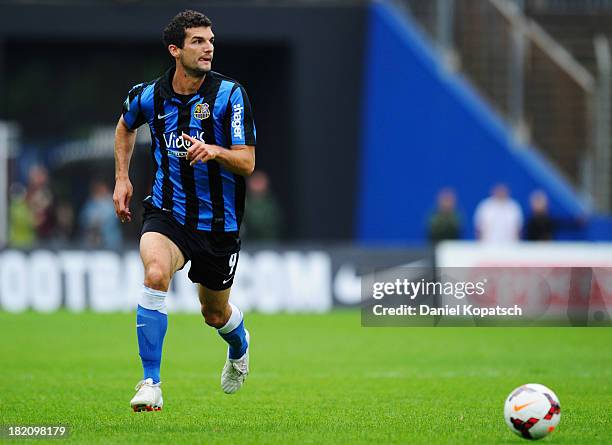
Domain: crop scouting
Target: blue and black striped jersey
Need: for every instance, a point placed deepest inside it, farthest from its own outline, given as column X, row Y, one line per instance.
column 205, row 196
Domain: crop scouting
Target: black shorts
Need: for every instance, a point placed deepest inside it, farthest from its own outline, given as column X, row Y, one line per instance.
column 213, row 255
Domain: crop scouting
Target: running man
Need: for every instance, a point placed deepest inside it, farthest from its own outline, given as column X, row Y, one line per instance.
column 203, row 145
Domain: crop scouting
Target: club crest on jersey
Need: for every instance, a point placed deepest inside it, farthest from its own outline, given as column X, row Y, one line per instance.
column 201, row 111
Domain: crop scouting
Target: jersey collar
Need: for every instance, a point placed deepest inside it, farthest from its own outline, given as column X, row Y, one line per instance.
column 166, row 84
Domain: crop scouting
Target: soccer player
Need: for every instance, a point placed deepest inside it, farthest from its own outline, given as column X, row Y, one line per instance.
column 203, row 145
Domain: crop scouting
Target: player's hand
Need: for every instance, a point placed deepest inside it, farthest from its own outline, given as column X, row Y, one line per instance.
column 121, row 198
column 200, row 151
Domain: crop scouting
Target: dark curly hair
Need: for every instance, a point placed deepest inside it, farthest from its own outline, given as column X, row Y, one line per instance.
column 174, row 33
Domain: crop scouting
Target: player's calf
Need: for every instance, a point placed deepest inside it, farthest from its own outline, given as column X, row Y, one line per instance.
column 229, row 321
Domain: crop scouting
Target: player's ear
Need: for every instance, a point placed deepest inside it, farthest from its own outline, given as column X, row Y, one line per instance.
column 174, row 50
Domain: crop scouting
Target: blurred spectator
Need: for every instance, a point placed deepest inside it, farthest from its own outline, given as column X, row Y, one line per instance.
column 40, row 201
column 541, row 226
column 21, row 219
column 445, row 222
column 65, row 221
column 262, row 219
column 98, row 223
column 498, row 219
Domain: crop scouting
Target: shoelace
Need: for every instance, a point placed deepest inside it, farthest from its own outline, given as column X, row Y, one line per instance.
column 236, row 367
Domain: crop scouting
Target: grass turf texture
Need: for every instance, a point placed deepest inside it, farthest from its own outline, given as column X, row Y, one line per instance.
column 315, row 379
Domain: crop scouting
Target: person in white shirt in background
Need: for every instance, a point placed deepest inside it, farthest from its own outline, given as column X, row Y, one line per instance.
column 498, row 218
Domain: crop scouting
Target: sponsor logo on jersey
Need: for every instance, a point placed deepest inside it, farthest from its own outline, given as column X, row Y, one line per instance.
column 237, row 121
column 201, row 111
column 177, row 146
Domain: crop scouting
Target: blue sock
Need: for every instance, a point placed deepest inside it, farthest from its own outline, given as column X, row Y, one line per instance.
column 234, row 334
column 236, row 340
column 151, row 328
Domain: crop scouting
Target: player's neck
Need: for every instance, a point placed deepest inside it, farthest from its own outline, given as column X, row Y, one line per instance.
column 183, row 83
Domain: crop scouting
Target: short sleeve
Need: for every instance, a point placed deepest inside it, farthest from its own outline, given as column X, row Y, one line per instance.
column 132, row 112
column 241, row 124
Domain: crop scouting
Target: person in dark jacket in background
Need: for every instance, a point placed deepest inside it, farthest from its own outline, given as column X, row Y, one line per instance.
column 445, row 223
column 541, row 226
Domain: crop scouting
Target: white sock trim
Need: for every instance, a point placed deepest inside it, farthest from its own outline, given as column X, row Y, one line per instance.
column 234, row 320
column 153, row 299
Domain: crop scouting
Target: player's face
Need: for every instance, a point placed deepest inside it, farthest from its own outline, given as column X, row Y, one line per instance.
column 197, row 52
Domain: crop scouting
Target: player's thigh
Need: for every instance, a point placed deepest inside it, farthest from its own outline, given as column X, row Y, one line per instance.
column 160, row 253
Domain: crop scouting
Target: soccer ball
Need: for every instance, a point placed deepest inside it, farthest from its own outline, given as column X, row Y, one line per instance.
column 532, row 411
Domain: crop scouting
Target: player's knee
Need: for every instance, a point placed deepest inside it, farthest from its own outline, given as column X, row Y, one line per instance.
column 156, row 277
column 214, row 317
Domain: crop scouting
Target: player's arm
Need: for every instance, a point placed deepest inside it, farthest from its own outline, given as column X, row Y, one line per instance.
column 240, row 159
column 240, row 129
column 131, row 118
column 125, row 138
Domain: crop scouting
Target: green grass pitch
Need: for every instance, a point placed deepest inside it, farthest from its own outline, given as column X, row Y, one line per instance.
column 314, row 379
